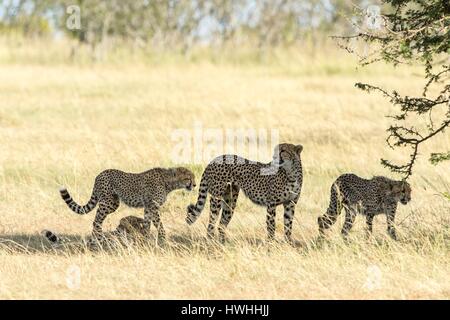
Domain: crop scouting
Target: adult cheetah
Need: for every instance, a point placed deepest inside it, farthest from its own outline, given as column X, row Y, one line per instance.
column 146, row 190
column 369, row 197
column 278, row 182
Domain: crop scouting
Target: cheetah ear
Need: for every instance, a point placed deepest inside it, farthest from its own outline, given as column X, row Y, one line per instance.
column 276, row 151
column 173, row 172
column 405, row 185
column 386, row 187
column 390, row 188
column 298, row 148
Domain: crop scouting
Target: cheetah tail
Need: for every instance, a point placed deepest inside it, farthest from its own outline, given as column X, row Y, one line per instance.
column 194, row 210
column 76, row 207
column 50, row 236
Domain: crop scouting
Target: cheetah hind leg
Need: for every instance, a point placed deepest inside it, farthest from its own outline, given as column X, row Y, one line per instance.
column 104, row 209
column 214, row 205
column 350, row 216
column 228, row 205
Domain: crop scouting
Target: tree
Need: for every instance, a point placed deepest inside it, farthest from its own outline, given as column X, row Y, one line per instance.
column 24, row 17
column 177, row 25
column 412, row 31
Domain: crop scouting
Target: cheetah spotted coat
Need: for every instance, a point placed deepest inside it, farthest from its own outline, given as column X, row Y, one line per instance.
column 148, row 189
column 266, row 184
column 369, row 197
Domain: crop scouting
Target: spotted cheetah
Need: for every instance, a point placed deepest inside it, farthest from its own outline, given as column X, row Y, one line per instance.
column 266, row 184
column 378, row 195
column 130, row 231
column 148, row 189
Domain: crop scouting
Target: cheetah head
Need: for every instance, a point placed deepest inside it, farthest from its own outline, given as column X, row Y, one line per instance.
column 132, row 225
column 184, row 178
column 400, row 191
column 285, row 153
column 404, row 192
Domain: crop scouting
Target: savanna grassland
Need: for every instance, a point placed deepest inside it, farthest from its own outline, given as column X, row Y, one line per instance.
column 62, row 123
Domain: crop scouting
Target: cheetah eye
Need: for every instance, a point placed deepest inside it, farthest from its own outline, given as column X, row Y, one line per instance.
column 286, row 155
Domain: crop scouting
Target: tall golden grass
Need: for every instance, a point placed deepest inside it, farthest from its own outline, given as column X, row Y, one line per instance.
column 61, row 124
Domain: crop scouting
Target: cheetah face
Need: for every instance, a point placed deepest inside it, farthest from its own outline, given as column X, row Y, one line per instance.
column 185, row 178
column 401, row 191
column 286, row 153
column 131, row 224
column 405, row 193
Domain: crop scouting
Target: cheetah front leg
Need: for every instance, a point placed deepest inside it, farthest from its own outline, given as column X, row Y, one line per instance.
column 148, row 215
column 369, row 225
column 289, row 210
column 270, row 223
column 390, row 219
column 151, row 215
column 156, row 220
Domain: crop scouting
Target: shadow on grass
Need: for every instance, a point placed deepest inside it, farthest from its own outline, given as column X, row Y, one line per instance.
column 32, row 243
column 188, row 243
column 37, row 243
column 177, row 244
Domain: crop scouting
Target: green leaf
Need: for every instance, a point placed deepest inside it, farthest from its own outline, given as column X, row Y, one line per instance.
column 435, row 158
column 446, row 195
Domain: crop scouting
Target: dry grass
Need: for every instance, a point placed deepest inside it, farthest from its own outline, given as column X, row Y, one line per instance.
column 64, row 124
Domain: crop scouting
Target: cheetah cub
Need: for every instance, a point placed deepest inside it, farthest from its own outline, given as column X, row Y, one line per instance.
column 278, row 182
column 146, row 190
column 378, row 195
column 130, row 231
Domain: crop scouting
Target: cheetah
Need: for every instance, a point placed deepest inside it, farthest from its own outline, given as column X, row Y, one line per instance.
column 278, row 182
column 129, row 232
column 146, row 190
column 378, row 195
